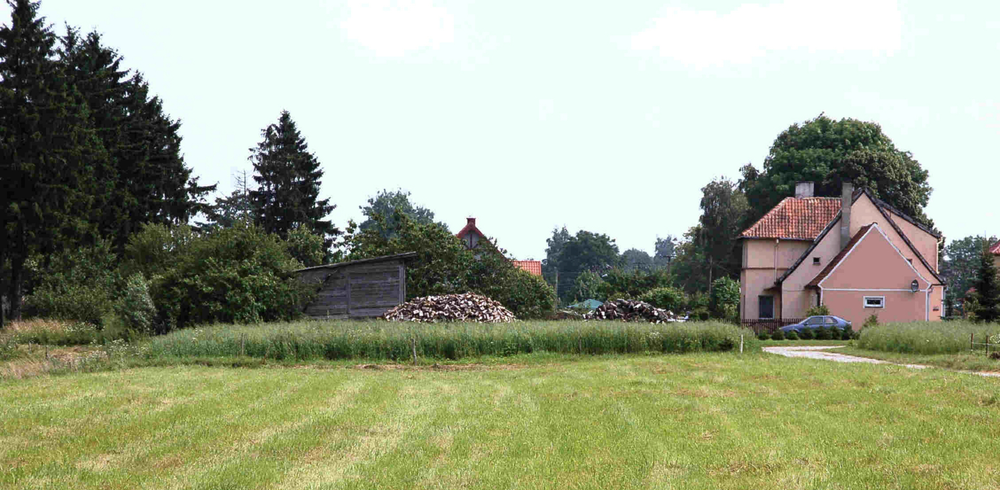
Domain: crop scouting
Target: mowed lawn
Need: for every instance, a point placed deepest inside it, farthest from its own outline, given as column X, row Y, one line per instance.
column 674, row 421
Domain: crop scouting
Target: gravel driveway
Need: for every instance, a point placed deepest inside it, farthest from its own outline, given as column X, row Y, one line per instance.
column 818, row 352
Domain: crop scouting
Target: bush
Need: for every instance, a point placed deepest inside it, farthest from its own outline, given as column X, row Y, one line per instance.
column 926, row 337
column 871, row 321
column 135, row 307
column 78, row 285
column 791, row 335
column 667, row 298
column 807, row 334
column 821, row 310
column 762, row 335
column 632, row 283
column 823, row 334
column 725, row 299
column 778, row 335
column 701, row 314
column 378, row 340
column 847, row 334
column 238, row 274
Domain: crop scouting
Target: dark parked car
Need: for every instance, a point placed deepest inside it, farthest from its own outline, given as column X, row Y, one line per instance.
column 814, row 322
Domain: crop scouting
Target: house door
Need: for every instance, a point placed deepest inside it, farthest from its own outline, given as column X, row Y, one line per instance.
column 766, row 306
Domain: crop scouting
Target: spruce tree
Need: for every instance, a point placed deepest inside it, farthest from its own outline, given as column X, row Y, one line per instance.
column 288, row 179
column 987, row 294
column 48, row 151
column 146, row 180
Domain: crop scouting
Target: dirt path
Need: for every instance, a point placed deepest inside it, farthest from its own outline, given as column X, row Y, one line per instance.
column 817, row 352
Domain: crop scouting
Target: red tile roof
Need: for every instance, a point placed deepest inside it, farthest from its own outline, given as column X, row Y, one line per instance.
column 840, row 256
column 996, row 249
column 531, row 266
column 796, row 218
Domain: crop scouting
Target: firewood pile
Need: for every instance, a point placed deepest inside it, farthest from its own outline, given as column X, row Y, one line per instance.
column 466, row 307
column 631, row 311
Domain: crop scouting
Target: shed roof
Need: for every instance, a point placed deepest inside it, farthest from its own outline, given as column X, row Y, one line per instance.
column 384, row 258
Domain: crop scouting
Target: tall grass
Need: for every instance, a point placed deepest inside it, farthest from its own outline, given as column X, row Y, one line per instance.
column 378, row 340
column 926, row 337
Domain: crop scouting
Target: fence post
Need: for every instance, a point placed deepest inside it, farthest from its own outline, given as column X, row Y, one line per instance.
column 972, row 345
column 243, row 339
column 741, row 343
column 413, row 344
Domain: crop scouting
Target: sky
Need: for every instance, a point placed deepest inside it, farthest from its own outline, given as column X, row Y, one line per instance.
column 603, row 116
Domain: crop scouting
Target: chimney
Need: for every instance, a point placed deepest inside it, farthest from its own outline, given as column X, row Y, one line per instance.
column 471, row 221
column 846, row 200
column 804, row 189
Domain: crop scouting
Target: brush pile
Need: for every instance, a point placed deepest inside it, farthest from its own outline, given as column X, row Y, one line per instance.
column 627, row 310
column 466, row 307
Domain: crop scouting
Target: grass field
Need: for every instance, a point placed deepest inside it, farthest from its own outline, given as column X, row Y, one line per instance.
column 717, row 420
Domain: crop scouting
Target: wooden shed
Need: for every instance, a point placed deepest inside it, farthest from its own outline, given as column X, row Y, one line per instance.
column 359, row 288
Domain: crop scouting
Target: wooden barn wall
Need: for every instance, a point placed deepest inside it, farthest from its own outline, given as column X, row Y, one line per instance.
column 357, row 291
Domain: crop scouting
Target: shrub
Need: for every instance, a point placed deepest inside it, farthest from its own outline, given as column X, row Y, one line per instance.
column 78, row 285
column 847, row 334
column 807, row 334
column 820, row 310
column 237, row 274
column 667, row 298
column 762, row 335
column 725, row 299
column 778, row 335
column 823, row 334
column 135, row 307
column 792, row 335
column 871, row 321
column 701, row 314
column 633, row 283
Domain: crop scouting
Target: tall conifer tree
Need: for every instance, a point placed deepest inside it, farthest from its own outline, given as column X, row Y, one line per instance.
column 146, row 180
column 48, row 152
column 987, row 284
column 288, row 179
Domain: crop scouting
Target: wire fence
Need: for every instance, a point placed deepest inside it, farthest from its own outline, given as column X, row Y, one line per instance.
column 991, row 347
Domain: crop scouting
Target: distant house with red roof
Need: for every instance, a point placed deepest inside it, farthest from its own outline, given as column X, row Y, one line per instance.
column 473, row 238
column 995, row 250
column 855, row 254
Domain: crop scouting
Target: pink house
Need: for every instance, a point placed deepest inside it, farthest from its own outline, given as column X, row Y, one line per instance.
column 995, row 250
column 855, row 254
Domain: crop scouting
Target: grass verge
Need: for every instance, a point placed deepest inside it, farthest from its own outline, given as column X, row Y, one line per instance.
column 693, row 421
column 964, row 361
column 928, row 338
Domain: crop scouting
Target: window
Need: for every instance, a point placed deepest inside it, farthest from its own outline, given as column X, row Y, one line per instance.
column 829, row 320
column 815, row 260
column 874, row 301
column 816, row 320
column 766, row 305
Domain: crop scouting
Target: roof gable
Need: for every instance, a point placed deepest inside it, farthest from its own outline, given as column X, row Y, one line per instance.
column 996, row 249
column 869, row 250
column 795, row 218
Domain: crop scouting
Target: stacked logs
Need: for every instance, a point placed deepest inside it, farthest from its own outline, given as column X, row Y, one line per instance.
column 466, row 307
column 631, row 311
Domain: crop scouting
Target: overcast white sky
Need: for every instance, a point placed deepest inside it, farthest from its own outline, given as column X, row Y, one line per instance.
column 529, row 115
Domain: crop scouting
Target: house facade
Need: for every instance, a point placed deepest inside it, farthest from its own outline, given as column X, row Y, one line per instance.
column 855, row 254
column 472, row 238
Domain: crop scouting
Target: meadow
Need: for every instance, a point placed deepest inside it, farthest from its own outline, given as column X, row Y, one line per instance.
column 701, row 420
column 391, row 341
